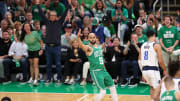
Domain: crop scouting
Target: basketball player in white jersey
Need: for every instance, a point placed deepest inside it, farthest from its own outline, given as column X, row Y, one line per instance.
column 174, row 72
column 149, row 57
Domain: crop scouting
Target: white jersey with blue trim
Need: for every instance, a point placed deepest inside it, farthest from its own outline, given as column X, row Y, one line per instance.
column 176, row 85
column 149, row 55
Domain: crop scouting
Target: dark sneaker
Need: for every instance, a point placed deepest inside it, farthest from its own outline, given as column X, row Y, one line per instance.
column 48, row 82
column 132, row 83
column 124, row 83
column 6, row 81
column 23, row 81
column 58, row 81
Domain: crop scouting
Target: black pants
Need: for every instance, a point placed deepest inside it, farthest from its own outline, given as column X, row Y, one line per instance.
column 133, row 64
column 113, row 68
column 72, row 69
column 8, row 63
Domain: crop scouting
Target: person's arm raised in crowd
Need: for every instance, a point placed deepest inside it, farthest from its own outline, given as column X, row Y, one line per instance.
column 104, row 5
column 63, row 16
column 85, row 48
column 47, row 3
column 81, row 10
column 93, row 6
column 30, row 8
column 111, row 3
column 45, row 19
column 131, row 3
column 10, row 21
column 84, row 5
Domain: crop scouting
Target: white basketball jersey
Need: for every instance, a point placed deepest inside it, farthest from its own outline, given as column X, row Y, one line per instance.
column 176, row 85
column 149, row 55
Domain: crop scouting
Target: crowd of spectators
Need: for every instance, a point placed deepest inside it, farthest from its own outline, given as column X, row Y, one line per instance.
column 33, row 28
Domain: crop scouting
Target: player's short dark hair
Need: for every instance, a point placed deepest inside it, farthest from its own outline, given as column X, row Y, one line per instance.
column 150, row 33
column 173, row 67
column 6, row 99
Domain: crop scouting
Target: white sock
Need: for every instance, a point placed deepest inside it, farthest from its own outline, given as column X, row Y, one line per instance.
column 100, row 95
column 113, row 93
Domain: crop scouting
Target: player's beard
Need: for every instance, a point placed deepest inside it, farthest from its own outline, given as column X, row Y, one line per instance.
column 93, row 42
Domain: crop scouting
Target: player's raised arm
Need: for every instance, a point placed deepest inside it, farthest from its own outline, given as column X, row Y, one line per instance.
column 83, row 47
column 159, row 55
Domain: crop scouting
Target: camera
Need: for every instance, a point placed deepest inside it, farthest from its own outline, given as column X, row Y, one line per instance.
column 21, row 18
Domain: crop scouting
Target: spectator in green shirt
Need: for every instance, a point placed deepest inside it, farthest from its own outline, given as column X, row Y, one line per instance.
column 35, row 11
column 56, row 6
column 88, row 3
column 119, row 16
column 169, row 38
column 35, row 46
column 99, row 9
column 141, row 37
column 77, row 10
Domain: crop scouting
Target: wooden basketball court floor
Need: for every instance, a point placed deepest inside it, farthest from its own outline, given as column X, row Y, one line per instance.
column 74, row 92
column 68, row 97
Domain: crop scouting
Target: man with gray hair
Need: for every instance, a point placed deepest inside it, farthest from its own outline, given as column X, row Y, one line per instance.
column 53, row 39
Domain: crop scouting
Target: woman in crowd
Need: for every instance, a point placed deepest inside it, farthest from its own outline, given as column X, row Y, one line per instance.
column 99, row 9
column 74, row 63
column 35, row 48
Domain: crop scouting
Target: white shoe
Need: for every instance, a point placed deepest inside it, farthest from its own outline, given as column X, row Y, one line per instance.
column 71, row 82
column 66, row 81
column 93, row 83
column 30, row 80
column 83, row 83
column 35, row 83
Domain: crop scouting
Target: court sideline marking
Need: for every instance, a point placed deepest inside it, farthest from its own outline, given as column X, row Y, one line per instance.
column 82, row 97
